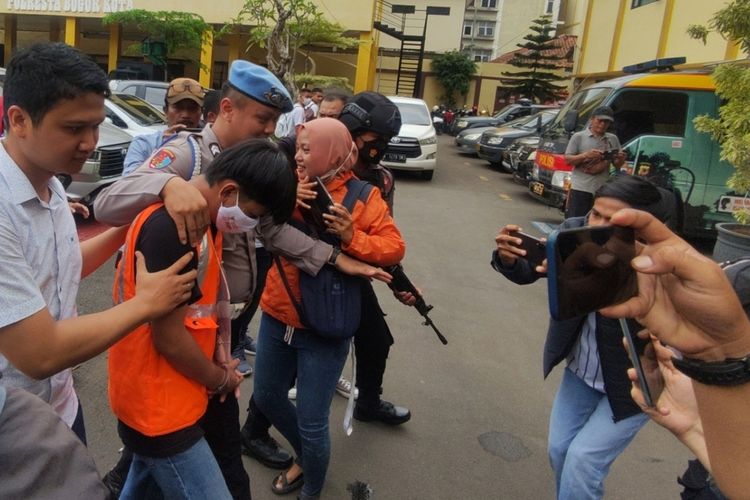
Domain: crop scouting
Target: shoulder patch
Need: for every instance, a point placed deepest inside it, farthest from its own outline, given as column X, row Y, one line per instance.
column 214, row 148
column 161, row 159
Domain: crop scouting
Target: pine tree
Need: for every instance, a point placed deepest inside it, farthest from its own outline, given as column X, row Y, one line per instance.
column 538, row 62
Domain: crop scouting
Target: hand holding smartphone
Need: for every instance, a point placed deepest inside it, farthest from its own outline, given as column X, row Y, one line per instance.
column 589, row 268
column 647, row 370
column 535, row 248
column 318, row 206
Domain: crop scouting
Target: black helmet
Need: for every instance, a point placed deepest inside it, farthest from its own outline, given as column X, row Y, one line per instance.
column 371, row 112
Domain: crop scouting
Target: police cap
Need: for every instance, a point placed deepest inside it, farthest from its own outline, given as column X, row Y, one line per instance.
column 260, row 85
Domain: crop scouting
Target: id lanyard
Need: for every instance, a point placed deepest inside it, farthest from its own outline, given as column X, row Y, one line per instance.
column 223, row 351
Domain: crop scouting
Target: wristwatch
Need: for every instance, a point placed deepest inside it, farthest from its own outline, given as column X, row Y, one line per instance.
column 731, row 371
column 334, row 255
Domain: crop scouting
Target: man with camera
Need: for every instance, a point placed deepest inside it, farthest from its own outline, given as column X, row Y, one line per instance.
column 591, row 151
column 593, row 417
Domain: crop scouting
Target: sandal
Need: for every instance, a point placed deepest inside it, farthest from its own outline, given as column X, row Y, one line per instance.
column 286, row 486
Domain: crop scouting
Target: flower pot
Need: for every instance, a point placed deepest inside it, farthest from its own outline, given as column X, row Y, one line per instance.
column 732, row 242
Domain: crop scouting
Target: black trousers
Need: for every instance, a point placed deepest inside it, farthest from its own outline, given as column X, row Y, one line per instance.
column 372, row 343
column 221, row 425
column 578, row 204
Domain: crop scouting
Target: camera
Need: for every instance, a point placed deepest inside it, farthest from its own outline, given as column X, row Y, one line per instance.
column 610, row 154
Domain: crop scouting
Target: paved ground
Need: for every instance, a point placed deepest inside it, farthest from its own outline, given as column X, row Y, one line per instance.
column 480, row 404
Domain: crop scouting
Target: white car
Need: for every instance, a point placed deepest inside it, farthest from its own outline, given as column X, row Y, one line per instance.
column 133, row 115
column 415, row 146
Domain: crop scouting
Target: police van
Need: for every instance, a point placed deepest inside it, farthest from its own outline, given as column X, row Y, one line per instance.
column 654, row 114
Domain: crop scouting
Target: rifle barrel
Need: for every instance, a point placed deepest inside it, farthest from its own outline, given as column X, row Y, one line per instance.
column 428, row 322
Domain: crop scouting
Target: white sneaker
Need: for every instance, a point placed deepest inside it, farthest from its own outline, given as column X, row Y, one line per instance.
column 344, row 387
column 292, row 393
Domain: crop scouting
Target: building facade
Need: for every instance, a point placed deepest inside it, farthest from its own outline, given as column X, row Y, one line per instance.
column 494, row 27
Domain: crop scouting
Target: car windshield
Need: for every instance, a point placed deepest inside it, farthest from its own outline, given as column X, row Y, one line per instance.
column 583, row 102
column 531, row 121
column 139, row 110
column 414, row 114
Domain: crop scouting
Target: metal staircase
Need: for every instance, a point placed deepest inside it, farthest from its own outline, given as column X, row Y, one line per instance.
column 408, row 26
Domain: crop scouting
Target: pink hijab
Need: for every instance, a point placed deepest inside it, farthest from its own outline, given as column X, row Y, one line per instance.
column 331, row 144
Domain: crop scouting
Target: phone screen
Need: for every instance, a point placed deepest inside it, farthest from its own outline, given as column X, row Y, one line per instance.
column 589, row 268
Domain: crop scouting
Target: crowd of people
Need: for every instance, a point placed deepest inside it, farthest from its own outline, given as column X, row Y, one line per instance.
column 219, row 215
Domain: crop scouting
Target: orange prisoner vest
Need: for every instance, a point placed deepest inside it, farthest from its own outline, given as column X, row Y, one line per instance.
column 145, row 391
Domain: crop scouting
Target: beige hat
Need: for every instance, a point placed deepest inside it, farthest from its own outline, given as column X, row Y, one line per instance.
column 185, row 88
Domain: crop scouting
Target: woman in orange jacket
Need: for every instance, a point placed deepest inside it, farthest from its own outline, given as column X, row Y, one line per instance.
column 286, row 347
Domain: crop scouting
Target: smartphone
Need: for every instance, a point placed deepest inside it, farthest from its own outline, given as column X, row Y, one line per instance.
column 588, row 268
column 535, row 248
column 318, row 206
column 647, row 370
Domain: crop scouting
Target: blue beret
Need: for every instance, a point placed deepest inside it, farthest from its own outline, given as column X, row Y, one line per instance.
column 259, row 84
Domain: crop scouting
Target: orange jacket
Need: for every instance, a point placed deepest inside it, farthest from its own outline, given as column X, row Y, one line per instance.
column 376, row 241
column 145, row 391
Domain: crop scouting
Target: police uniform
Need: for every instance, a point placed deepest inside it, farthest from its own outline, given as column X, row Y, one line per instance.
column 187, row 154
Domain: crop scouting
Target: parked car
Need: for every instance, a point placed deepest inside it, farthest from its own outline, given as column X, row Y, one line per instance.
column 507, row 114
column 152, row 92
column 103, row 167
column 494, row 142
column 415, row 146
column 467, row 140
column 134, row 115
column 519, row 158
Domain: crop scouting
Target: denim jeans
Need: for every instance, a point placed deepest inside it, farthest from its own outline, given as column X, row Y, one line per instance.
column 584, row 440
column 192, row 474
column 317, row 363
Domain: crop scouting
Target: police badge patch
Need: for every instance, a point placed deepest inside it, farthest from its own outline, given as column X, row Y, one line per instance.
column 162, row 159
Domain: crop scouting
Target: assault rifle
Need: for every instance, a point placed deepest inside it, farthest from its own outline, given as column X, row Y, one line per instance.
column 401, row 283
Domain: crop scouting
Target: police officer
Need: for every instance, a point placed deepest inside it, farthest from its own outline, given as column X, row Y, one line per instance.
column 251, row 102
column 373, row 119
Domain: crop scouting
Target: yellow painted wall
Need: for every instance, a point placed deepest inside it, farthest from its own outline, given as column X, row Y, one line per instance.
column 641, row 31
column 640, row 34
column 679, row 44
column 342, row 11
column 601, row 28
column 443, row 32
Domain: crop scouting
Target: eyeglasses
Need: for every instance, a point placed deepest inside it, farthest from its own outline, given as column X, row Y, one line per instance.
column 192, row 88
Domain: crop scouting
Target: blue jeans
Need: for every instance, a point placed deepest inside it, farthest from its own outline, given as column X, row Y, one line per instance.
column 317, row 363
column 584, row 441
column 192, row 474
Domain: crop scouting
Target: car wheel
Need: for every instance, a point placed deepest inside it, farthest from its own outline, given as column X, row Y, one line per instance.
column 427, row 174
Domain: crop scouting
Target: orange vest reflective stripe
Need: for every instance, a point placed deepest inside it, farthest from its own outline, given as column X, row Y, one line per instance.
column 145, row 391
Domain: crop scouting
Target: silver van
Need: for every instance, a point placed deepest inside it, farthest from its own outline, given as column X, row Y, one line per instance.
column 103, row 167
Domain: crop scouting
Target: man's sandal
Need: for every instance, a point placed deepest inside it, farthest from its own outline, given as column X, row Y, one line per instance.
column 286, row 486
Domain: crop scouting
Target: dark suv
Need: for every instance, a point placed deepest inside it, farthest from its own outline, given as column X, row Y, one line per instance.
column 508, row 113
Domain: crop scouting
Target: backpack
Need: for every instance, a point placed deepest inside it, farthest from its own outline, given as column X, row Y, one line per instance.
column 331, row 301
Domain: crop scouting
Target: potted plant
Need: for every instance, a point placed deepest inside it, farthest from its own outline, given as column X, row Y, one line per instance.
column 731, row 129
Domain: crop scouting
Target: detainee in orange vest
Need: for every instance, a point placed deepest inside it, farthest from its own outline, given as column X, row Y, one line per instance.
column 162, row 374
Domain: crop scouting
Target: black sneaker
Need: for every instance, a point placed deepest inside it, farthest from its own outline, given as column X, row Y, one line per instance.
column 266, row 451
column 383, row 411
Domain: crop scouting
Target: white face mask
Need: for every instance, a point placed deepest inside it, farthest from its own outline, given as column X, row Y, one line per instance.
column 234, row 220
